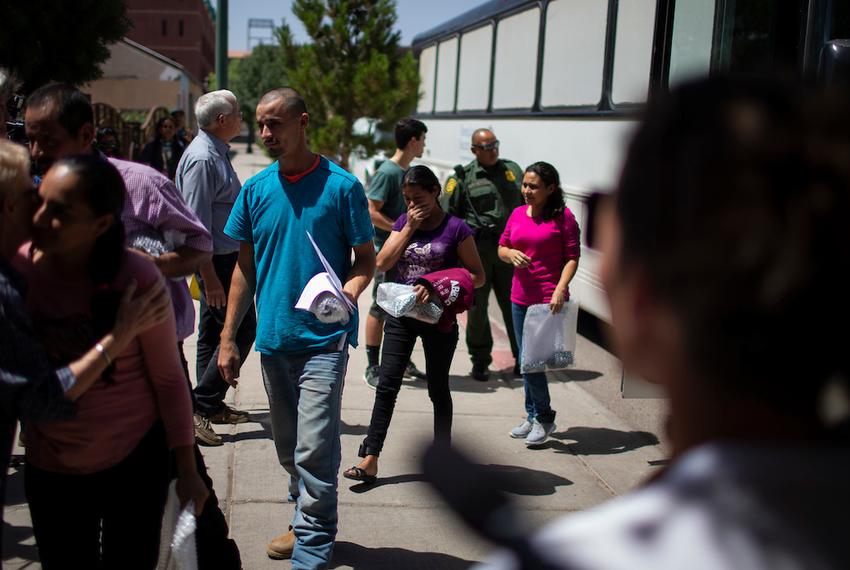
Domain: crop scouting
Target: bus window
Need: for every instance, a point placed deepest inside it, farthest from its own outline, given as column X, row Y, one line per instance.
column 446, row 75
column 633, row 51
column 693, row 29
column 574, row 52
column 761, row 36
column 427, row 70
column 473, row 90
column 515, row 78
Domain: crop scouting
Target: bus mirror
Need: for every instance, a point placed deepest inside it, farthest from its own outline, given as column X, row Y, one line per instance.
column 835, row 63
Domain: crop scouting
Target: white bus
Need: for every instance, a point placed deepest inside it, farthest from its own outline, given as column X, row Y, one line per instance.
column 562, row 80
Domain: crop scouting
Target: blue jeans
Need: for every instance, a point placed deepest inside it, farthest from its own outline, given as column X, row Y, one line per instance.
column 305, row 397
column 537, row 402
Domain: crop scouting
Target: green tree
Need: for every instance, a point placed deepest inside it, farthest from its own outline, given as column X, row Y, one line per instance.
column 252, row 77
column 59, row 40
column 353, row 68
column 255, row 75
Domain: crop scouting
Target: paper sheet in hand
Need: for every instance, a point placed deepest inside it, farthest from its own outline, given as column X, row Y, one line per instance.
column 326, row 282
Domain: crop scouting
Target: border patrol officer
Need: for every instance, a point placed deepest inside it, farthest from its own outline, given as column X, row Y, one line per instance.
column 483, row 194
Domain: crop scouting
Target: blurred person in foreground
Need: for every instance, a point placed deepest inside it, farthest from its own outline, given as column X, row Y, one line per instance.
column 724, row 250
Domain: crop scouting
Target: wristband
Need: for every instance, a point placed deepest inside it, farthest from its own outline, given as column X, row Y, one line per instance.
column 99, row 347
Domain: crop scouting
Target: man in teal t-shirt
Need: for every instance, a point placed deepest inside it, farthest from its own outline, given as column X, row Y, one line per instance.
column 386, row 204
column 303, row 360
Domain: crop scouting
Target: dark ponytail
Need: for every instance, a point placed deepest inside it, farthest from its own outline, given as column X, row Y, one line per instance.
column 555, row 204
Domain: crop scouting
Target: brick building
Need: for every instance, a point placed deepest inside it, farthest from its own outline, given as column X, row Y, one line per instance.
column 181, row 30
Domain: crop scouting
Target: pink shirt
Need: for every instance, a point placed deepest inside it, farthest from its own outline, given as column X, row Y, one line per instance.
column 112, row 417
column 549, row 244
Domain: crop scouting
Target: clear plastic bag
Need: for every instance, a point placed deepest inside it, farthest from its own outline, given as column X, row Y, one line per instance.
column 549, row 339
column 400, row 301
column 177, row 550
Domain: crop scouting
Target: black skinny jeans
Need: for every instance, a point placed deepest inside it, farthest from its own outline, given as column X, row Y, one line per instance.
column 399, row 338
column 107, row 519
column 211, row 389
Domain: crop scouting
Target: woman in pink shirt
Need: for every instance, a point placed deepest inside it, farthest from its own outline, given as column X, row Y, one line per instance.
column 96, row 484
column 541, row 241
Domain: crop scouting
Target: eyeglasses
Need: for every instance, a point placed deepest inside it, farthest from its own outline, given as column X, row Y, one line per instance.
column 487, row 146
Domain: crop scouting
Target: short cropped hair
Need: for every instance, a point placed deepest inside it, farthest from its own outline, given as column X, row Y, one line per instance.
column 293, row 100
column 75, row 109
column 407, row 129
column 210, row 105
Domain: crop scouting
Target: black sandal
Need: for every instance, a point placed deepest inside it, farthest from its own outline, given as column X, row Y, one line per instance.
column 359, row 474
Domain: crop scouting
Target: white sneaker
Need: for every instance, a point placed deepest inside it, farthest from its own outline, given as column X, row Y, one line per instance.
column 521, row 431
column 539, row 433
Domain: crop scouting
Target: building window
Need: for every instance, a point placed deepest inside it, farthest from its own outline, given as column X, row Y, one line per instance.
column 165, row 27
column 180, row 28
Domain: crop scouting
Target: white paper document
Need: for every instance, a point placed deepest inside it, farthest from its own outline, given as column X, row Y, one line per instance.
column 325, row 282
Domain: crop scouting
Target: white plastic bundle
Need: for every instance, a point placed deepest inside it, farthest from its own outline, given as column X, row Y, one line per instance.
column 400, row 301
column 328, row 308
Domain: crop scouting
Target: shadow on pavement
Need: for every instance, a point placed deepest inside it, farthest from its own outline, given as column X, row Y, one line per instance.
column 508, row 478
column 362, row 558
column 15, row 485
column 394, row 480
column 464, row 384
column 356, row 429
column 598, row 441
column 577, row 375
column 524, row 481
column 13, row 536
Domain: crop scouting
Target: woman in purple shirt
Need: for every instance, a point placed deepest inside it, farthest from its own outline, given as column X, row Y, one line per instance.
column 423, row 240
column 541, row 241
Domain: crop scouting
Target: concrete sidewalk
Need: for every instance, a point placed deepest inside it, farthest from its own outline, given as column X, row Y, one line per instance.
column 399, row 523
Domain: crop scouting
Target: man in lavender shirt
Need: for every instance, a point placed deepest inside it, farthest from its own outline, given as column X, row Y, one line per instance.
column 59, row 123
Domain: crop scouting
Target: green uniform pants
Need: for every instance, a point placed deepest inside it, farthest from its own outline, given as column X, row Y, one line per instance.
column 479, row 339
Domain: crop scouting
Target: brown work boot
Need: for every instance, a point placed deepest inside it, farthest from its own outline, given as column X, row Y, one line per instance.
column 204, row 432
column 228, row 415
column 281, row 547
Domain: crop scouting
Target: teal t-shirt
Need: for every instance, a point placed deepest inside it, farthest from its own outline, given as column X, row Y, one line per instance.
column 386, row 187
column 275, row 216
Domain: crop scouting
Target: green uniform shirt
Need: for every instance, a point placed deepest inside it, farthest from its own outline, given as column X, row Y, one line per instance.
column 494, row 192
column 386, row 187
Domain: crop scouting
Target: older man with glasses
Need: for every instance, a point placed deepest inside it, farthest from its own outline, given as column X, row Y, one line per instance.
column 483, row 194
column 210, row 186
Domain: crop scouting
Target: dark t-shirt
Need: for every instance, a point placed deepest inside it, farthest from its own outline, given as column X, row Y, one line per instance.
column 429, row 250
column 386, row 187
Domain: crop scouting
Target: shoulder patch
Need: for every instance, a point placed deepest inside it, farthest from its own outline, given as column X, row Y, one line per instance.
column 509, row 174
column 451, row 185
